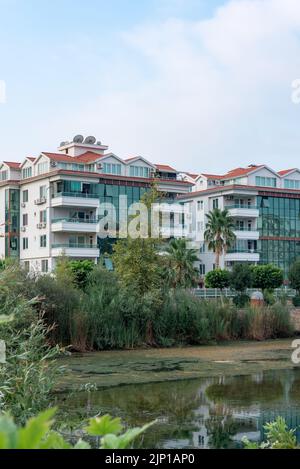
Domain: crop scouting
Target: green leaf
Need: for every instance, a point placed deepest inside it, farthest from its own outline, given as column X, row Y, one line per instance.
column 123, row 441
column 82, row 445
column 54, row 441
column 8, row 433
column 36, row 429
column 100, row 426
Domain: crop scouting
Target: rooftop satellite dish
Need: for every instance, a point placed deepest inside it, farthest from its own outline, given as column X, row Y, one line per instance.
column 99, row 143
column 78, row 139
column 90, row 141
column 63, row 144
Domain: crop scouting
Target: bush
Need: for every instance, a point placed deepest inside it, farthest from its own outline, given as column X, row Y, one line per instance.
column 241, row 277
column 269, row 297
column 296, row 301
column 267, row 277
column 217, row 279
column 266, row 323
column 241, row 300
column 294, row 276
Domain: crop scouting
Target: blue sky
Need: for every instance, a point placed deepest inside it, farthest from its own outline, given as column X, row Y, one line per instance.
column 200, row 84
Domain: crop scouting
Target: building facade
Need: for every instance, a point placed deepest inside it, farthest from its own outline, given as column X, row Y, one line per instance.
column 265, row 207
column 51, row 204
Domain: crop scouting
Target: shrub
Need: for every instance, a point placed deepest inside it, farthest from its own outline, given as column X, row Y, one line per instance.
column 217, row 279
column 296, row 301
column 267, row 277
column 241, row 300
column 294, row 276
column 269, row 297
column 278, row 437
column 241, row 277
column 266, row 323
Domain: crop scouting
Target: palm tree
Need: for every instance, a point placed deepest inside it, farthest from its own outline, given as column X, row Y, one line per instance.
column 219, row 232
column 180, row 264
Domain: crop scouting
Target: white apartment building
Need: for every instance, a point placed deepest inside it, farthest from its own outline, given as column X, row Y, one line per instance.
column 50, row 204
column 265, row 207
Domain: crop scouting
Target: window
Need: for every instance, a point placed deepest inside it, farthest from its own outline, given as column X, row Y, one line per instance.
column 42, row 192
column 202, row 248
column 215, row 203
column 200, row 205
column 139, row 171
column 44, row 265
column 291, row 184
column 25, row 219
column 26, row 266
column 25, row 243
column 27, row 173
column 43, row 241
column 43, row 216
column 202, row 269
column 42, row 167
column 3, row 175
column 265, row 181
column 200, row 226
column 25, row 196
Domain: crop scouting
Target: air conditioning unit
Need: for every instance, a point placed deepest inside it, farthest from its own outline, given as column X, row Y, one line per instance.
column 23, row 229
column 53, row 164
column 40, row 201
column 44, row 225
column 39, row 226
column 23, row 205
column 99, row 166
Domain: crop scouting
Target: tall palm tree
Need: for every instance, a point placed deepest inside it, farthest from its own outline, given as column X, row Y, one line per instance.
column 219, row 232
column 181, row 264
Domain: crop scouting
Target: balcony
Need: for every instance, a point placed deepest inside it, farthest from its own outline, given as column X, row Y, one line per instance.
column 74, row 225
column 246, row 234
column 75, row 199
column 242, row 255
column 75, row 250
column 243, row 211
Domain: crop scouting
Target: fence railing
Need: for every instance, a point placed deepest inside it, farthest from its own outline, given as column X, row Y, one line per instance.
column 210, row 293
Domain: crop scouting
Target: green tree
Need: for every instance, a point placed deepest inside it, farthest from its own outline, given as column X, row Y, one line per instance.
column 180, row 261
column 217, row 279
column 219, row 232
column 267, row 277
column 241, row 277
column 81, row 270
column 294, row 276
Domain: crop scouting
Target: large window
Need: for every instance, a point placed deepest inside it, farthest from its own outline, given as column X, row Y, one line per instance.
column 43, row 216
column 3, row 175
column 265, row 181
column 291, row 184
column 42, row 167
column 111, row 168
column 25, row 196
column 43, row 241
column 139, row 171
column 45, row 265
column 25, row 243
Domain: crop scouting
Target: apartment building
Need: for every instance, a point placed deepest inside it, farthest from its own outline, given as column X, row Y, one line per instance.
column 50, row 204
column 265, row 207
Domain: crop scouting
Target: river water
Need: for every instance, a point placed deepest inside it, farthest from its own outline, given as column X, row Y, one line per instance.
column 201, row 413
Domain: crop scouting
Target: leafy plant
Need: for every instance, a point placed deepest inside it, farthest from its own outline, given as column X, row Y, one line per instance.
column 267, row 277
column 217, row 278
column 278, row 437
column 294, row 276
column 219, row 232
column 241, row 277
column 180, row 264
column 37, row 433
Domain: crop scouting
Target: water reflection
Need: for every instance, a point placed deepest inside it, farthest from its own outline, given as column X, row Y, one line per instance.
column 204, row 413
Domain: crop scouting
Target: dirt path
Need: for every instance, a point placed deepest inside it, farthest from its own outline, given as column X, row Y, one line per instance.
column 107, row 369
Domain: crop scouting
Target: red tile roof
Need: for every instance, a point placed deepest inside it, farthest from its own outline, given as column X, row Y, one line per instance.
column 165, row 167
column 12, row 164
column 286, row 171
column 212, row 176
column 88, row 157
column 31, row 158
column 192, row 175
column 241, row 171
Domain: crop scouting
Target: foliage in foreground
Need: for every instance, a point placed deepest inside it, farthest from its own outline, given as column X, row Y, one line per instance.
column 278, row 436
column 37, row 433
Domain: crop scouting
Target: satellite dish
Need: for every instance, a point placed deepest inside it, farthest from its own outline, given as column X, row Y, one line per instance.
column 78, row 139
column 90, row 141
column 99, row 144
column 63, row 144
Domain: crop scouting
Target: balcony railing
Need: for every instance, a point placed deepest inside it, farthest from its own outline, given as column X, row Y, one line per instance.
column 238, row 228
column 74, row 220
column 78, row 195
column 247, row 207
column 74, row 246
column 243, row 251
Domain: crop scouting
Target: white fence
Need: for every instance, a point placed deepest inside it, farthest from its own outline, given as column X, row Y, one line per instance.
column 210, row 293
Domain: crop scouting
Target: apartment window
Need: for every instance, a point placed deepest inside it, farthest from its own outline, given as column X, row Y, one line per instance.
column 202, row 248
column 200, row 205
column 265, row 181
column 45, row 267
column 27, row 173
column 25, row 219
column 26, row 266
column 215, row 203
column 43, row 241
column 25, row 243
column 200, row 225
column 202, row 269
column 25, row 196
column 291, row 184
column 42, row 167
column 43, row 216
column 139, row 171
column 42, row 192
column 3, row 175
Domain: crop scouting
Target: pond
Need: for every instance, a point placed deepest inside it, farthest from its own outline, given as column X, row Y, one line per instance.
column 212, row 412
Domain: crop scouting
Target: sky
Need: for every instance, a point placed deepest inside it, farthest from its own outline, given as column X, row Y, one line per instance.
column 203, row 85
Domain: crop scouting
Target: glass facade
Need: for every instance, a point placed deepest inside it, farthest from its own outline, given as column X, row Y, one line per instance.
column 12, row 222
column 279, row 228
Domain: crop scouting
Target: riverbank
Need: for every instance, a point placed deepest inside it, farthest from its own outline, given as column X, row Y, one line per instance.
column 119, row 368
